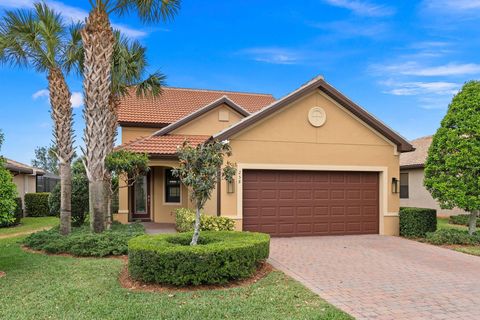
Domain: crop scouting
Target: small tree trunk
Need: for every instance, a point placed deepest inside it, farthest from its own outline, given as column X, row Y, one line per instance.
column 108, row 194
column 472, row 222
column 96, row 190
column 65, row 198
column 196, row 230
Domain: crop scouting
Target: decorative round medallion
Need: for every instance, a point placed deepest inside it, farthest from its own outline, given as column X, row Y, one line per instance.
column 317, row 116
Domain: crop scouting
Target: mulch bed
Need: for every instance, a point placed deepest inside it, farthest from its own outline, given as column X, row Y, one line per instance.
column 2, row 274
column 127, row 282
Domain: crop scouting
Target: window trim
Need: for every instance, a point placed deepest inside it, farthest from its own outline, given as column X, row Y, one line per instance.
column 165, row 202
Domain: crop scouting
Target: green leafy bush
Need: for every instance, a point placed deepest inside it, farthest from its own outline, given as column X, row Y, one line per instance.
column 36, row 204
column 416, row 222
column 18, row 210
column 185, row 220
column 219, row 257
column 462, row 219
column 8, row 194
column 82, row 242
column 79, row 196
column 452, row 236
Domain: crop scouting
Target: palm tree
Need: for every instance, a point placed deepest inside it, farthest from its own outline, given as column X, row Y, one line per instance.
column 37, row 38
column 129, row 63
column 99, row 42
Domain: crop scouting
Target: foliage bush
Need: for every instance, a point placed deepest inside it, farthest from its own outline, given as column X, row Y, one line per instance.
column 18, row 210
column 452, row 237
column 82, row 242
column 462, row 219
column 219, row 257
column 36, row 204
column 185, row 220
column 8, row 194
column 416, row 222
column 80, row 205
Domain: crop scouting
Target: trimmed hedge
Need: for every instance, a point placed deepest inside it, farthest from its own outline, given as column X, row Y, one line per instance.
column 416, row 222
column 452, row 237
column 185, row 220
column 36, row 204
column 82, row 242
column 219, row 257
column 18, row 210
column 462, row 219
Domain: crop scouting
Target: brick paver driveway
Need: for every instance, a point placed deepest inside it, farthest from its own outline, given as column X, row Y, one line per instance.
column 377, row 277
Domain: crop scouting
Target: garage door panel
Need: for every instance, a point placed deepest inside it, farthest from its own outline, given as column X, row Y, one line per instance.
column 295, row 203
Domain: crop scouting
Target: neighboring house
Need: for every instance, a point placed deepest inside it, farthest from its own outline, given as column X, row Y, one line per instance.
column 310, row 163
column 29, row 179
column 412, row 191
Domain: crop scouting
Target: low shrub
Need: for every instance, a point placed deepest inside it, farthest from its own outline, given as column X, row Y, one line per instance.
column 36, row 204
column 82, row 242
column 185, row 220
column 18, row 210
column 219, row 257
column 452, row 236
column 416, row 222
column 462, row 219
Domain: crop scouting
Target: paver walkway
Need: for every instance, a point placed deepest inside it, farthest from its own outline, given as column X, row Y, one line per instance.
column 379, row 277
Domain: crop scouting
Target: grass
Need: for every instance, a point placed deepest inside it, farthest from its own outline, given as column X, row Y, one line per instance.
column 29, row 224
column 39, row 287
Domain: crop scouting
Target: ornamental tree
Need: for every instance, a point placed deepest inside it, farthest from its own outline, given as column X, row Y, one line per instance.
column 126, row 166
column 199, row 170
column 452, row 169
column 8, row 193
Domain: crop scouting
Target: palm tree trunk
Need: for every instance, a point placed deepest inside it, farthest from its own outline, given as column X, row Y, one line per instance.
column 63, row 121
column 98, row 42
column 112, row 124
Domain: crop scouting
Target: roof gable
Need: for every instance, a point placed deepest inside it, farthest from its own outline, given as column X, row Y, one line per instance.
column 176, row 103
column 319, row 83
column 224, row 100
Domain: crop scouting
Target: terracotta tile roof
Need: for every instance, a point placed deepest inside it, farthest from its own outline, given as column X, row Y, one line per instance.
column 416, row 158
column 176, row 103
column 161, row 145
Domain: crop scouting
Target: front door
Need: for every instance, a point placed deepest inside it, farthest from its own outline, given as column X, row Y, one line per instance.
column 140, row 198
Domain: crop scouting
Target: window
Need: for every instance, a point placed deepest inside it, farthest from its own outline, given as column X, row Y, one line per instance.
column 403, row 185
column 172, row 187
column 46, row 184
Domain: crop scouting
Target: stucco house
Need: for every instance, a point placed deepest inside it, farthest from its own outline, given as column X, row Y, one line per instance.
column 412, row 191
column 310, row 163
column 29, row 179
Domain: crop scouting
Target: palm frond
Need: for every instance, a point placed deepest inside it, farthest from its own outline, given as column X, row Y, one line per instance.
column 151, row 86
column 148, row 10
column 74, row 53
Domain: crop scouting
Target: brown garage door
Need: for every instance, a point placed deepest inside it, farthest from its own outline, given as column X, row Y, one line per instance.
column 304, row 203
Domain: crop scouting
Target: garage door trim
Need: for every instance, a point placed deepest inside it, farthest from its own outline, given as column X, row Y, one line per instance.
column 382, row 171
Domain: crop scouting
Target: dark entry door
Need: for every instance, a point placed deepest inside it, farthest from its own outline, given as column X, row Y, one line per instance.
column 140, row 198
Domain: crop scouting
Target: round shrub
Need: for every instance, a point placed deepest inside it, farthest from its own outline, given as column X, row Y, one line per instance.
column 453, row 237
column 185, row 220
column 219, row 257
column 416, row 222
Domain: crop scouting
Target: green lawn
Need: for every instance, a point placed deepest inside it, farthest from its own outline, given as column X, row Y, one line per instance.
column 30, row 224
column 52, row 287
column 442, row 223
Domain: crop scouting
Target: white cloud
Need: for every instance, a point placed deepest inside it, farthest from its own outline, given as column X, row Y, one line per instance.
column 76, row 99
column 421, row 88
column 452, row 6
column 273, row 55
column 70, row 13
column 412, row 68
column 40, row 94
column 347, row 29
column 363, row 8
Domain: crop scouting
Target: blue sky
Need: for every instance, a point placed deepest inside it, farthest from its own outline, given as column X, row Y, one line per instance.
column 400, row 60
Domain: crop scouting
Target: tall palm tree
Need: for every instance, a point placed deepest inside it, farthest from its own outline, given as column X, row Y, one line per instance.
column 99, row 42
column 129, row 63
column 37, row 38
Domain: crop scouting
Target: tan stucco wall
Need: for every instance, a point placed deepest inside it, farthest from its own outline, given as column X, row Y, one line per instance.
column 287, row 141
column 132, row 133
column 25, row 183
column 209, row 123
column 418, row 195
